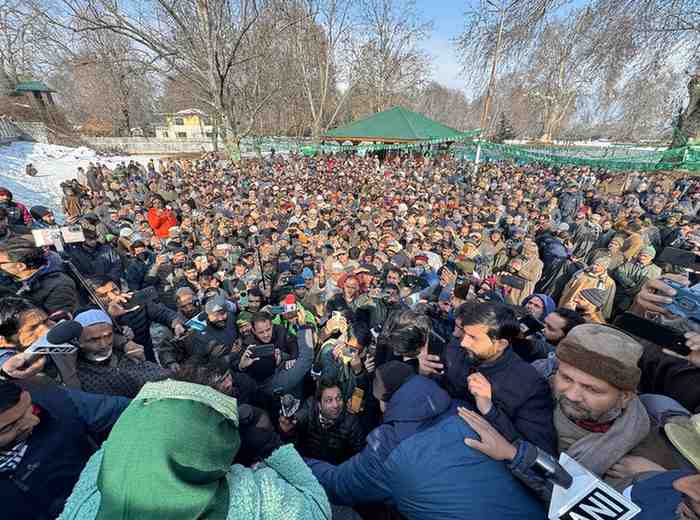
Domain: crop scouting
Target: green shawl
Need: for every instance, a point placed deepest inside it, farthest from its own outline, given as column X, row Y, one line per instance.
column 169, row 456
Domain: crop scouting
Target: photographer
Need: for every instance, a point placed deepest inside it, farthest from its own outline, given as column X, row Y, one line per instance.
column 273, row 373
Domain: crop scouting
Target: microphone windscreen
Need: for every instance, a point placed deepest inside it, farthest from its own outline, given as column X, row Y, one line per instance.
column 64, row 332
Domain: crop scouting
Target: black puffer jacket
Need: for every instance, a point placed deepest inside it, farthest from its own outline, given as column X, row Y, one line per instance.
column 334, row 444
column 51, row 289
column 102, row 260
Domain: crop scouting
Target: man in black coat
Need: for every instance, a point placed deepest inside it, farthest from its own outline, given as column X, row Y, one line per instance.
column 38, row 276
column 91, row 258
column 323, row 429
column 486, row 372
column 137, row 314
column 47, row 434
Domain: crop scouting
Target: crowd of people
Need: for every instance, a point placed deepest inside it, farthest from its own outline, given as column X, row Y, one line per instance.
column 342, row 336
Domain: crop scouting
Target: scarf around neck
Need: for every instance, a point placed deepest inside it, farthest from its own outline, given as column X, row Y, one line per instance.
column 598, row 452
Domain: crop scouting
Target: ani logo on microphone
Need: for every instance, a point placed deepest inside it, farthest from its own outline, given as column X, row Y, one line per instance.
column 600, row 504
column 588, row 498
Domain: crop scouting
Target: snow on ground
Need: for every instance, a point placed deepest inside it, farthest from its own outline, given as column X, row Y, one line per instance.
column 54, row 163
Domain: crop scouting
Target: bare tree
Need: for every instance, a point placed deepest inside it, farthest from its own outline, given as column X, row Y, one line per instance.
column 208, row 41
column 389, row 62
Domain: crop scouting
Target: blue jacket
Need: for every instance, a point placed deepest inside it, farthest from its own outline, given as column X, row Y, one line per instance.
column 432, row 474
column 417, row 405
column 59, row 447
column 656, row 495
column 522, row 400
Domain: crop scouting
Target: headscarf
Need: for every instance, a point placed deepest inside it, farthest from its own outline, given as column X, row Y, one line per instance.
column 168, row 454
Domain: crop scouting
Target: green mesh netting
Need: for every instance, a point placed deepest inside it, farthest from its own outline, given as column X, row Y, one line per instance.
column 608, row 158
column 613, row 157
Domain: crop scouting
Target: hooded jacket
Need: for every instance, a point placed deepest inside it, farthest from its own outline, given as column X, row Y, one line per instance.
column 418, row 461
column 549, row 304
column 417, row 405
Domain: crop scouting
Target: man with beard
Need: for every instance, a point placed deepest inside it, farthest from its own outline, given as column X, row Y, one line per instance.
column 187, row 303
column 279, row 373
column 485, row 371
column 219, row 337
column 323, row 429
column 593, row 277
column 108, row 363
column 600, row 422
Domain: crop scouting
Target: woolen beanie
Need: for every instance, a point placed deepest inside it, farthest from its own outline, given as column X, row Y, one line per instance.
column 594, row 296
column 603, row 352
column 389, row 378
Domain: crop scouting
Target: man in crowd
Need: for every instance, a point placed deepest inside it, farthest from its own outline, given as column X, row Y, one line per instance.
column 323, row 429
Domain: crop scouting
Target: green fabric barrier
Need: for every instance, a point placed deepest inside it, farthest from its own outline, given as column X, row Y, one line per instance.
column 609, row 158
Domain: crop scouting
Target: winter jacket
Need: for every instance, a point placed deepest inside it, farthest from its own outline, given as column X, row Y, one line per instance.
column 17, row 214
column 103, row 261
column 50, row 288
column 522, row 400
column 161, row 221
column 335, row 444
column 139, row 321
column 432, row 474
column 548, row 302
column 119, row 375
column 417, row 405
column 59, row 447
column 136, row 272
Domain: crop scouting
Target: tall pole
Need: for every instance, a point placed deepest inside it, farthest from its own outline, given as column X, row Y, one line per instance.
column 492, row 83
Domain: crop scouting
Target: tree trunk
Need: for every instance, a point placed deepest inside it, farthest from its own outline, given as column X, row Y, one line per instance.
column 689, row 122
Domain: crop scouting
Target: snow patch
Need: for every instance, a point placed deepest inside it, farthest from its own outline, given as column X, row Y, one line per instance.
column 54, row 164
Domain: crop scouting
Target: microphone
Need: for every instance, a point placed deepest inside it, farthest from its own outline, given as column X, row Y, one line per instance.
column 64, row 332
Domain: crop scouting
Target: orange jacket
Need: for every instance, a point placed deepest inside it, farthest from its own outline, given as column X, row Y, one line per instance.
column 161, row 221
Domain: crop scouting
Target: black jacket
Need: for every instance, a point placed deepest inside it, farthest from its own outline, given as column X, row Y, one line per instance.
column 103, row 260
column 139, row 321
column 335, row 444
column 136, row 272
column 51, row 289
column 522, row 401
column 59, row 447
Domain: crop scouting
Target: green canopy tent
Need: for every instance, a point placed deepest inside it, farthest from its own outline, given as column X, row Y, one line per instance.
column 396, row 125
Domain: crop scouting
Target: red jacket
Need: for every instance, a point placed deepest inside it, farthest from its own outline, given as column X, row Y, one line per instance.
column 161, row 221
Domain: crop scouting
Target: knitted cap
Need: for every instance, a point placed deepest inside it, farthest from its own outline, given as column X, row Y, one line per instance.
column 603, row 352
column 594, row 296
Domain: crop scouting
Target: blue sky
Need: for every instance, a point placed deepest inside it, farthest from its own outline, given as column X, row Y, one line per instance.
column 448, row 19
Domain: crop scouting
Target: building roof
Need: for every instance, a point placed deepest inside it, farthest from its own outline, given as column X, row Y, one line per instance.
column 190, row 111
column 394, row 125
column 33, row 86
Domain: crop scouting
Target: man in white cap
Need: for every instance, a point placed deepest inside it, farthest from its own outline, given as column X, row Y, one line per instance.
column 108, row 363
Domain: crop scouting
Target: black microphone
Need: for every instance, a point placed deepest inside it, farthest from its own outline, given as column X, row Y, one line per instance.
column 64, row 332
